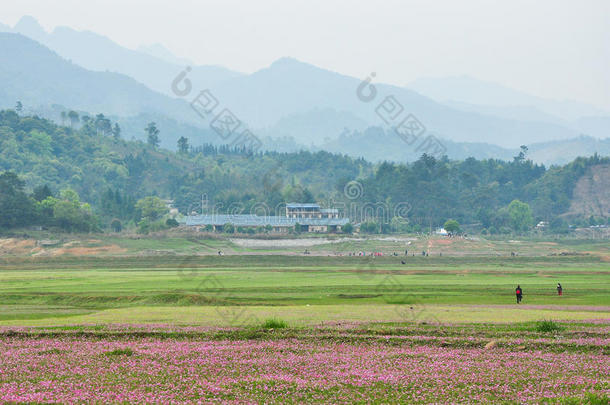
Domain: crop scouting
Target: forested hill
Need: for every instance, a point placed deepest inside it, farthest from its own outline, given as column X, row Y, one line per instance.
column 112, row 174
column 94, row 161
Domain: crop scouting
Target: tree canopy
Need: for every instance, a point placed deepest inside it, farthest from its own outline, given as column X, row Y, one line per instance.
column 41, row 161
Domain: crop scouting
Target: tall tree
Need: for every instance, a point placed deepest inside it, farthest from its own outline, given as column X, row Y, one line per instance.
column 18, row 107
column 73, row 117
column 42, row 192
column 16, row 207
column 183, row 145
column 522, row 153
column 452, row 226
column 116, row 131
column 103, row 125
column 520, row 215
column 151, row 208
column 153, row 134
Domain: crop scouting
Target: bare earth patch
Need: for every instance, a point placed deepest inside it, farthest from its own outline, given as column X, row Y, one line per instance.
column 88, row 251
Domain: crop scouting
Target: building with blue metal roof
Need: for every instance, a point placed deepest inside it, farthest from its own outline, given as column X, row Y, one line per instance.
column 309, row 217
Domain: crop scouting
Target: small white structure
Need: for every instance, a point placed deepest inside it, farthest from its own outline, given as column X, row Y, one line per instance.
column 442, row 232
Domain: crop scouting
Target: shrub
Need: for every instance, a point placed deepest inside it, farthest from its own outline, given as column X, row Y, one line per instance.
column 369, row 227
column 228, row 228
column 274, row 323
column 452, row 226
column 116, row 225
column 145, row 226
column 171, row 222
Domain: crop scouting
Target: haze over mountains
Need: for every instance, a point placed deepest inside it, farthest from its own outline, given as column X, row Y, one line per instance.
column 470, row 94
column 289, row 99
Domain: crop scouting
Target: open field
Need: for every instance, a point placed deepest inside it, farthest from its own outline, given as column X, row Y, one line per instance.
column 196, row 289
column 140, row 325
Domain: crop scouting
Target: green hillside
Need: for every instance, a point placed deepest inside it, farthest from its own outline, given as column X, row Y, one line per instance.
column 111, row 174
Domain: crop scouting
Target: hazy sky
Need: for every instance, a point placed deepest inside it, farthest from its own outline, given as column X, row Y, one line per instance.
column 552, row 48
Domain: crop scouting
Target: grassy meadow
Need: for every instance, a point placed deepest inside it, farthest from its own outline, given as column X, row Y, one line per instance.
column 307, row 289
column 137, row 320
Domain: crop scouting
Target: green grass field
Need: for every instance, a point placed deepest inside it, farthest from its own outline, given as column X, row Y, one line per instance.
column 150, row 320
column 236, row 289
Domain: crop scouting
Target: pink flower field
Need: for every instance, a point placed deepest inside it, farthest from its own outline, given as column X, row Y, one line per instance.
column 277, row 367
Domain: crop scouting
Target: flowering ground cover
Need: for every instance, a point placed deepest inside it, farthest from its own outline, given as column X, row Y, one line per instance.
column 337, row 363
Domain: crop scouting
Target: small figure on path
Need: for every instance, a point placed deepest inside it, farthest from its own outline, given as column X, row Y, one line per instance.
column 519, row 293
column 559, row 289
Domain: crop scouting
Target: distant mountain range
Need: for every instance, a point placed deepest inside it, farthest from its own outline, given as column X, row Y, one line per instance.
column 376, row 144
column 290, row 104
column 290, row 88
column 470, row 94
column 153, row 66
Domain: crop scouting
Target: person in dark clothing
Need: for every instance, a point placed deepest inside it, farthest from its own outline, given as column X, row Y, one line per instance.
column 519, row 293
column 559, row 289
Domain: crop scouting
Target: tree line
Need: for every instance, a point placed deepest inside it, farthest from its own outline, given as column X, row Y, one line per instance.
column 112, row 175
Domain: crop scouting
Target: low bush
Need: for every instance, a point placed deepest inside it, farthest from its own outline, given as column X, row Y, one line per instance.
column 275, row 324
column 546, row 326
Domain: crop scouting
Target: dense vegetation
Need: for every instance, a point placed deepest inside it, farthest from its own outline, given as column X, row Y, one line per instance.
column 48, row 166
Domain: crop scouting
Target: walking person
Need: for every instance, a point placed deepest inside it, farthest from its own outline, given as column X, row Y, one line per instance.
column 559, row 289
column 519, row 293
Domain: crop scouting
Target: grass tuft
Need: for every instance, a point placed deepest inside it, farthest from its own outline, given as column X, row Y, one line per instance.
column 120, row 352
column 274, row 323
column 547, row 326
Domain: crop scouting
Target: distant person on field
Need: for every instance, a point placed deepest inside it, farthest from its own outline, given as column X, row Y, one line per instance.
column 519, row 293
column 559, row 289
